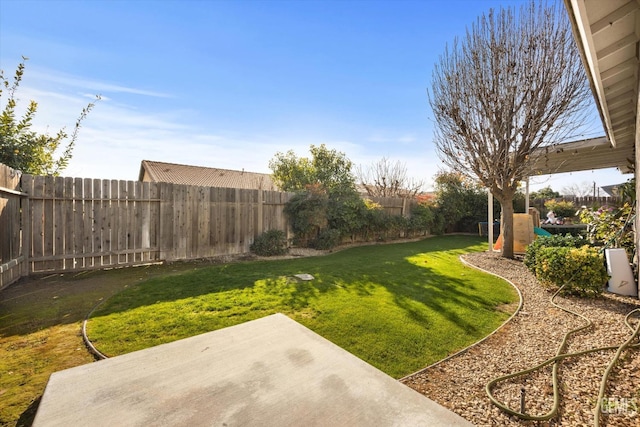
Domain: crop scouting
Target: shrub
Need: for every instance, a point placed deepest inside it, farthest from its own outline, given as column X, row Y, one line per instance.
column 307, row 212
column 376, row 219
column 562, row 208
column 327, row 239
column 531, row 254
column 581, row 269
column 346, row 213
column 270, row 243
column 461, row 203
column 422, row 219
column 611, row 227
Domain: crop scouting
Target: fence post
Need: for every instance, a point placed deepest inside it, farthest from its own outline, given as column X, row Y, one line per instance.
column 165, row 237
column 260, row 229
column 26, row 232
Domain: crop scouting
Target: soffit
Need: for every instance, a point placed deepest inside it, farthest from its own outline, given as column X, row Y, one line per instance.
column 586, row 154
column 607, row 36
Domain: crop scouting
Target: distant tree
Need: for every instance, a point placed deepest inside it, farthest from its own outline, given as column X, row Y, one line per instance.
column 582, row 189
column 26, row 150
column 512, row 85
column 386, row 179
column 329, row 168
column 545, row 193
column 327, row 206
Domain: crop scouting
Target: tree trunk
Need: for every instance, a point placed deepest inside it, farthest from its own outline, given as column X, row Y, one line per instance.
column 506, row 227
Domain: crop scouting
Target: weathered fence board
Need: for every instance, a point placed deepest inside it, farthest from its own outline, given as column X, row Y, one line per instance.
column 87, row 214
column 84, row 224
column 12, row 256
column 55, row 224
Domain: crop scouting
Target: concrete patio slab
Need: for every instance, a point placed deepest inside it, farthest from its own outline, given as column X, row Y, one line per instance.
column 267, row 372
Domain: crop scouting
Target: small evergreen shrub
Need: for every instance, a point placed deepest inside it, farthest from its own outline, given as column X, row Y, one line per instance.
column 582, row 269
column 531, row 254
column 422, row 219
column 270, row 243
column 307, row 212
column 327, row 239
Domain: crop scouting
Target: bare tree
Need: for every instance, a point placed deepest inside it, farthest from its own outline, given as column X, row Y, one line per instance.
column 512, row 85
column 582, row 189
column 386, row 179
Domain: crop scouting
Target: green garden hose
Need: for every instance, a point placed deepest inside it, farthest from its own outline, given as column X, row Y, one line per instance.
column 603, row 384
column 560, row 355
column 556, row 359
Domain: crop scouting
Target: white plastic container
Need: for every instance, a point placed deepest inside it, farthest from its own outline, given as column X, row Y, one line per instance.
column 622, row 281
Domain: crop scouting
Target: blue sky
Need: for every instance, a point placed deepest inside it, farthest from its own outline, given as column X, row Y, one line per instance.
column 229, row 83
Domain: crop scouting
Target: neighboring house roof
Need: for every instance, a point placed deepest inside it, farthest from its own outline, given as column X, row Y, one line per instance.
column 203, row 176
column 612, row 190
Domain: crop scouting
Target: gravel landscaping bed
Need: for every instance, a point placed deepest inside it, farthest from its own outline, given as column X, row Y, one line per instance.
column 529, row 338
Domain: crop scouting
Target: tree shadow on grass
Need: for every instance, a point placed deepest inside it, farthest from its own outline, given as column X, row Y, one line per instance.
column 37, row 303
column 41, row 301
column 358, row 270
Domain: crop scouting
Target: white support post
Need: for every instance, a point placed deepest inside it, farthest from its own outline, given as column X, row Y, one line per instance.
column 490, row 220
column 526, row 196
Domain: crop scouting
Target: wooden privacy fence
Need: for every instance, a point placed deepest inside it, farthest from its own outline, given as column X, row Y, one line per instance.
column 67, row 224
column 394, row 205
column 12, row 253
column 57, row 224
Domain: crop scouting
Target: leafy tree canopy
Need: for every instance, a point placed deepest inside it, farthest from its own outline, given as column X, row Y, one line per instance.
column 545, row 193
column 28, row 151
column 329, row 168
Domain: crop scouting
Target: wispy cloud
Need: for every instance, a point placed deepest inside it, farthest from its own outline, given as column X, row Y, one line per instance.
column 92, row 85
column 120, row 132
column 389, row 137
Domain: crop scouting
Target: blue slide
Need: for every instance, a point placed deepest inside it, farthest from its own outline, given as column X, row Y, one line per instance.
column 540, row 231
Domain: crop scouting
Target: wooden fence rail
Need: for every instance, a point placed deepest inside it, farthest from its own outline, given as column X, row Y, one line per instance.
column 58, row 224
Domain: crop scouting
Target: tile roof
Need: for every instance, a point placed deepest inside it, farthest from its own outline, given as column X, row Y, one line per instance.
column 204, row 176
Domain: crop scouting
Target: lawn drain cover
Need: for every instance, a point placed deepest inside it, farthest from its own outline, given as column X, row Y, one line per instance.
column 304, row 276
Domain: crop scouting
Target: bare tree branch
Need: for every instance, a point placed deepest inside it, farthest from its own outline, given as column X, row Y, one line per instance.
column 387, row 179
column 582, row 189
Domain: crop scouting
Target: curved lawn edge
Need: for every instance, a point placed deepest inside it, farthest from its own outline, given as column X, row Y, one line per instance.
column 464, row 350
column 85, row 338
column 99, row 355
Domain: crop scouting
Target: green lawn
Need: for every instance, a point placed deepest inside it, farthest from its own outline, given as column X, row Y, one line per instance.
column 399, row 307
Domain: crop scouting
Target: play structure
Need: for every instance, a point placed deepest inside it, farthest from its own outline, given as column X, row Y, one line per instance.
column 525, row 229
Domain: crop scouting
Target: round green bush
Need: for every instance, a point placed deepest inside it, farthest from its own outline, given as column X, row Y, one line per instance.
column 531, row 254
column 270, row 243
column 581, row 269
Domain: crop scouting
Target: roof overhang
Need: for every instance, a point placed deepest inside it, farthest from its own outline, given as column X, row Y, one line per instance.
column 606, row 33
column 586, row 154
